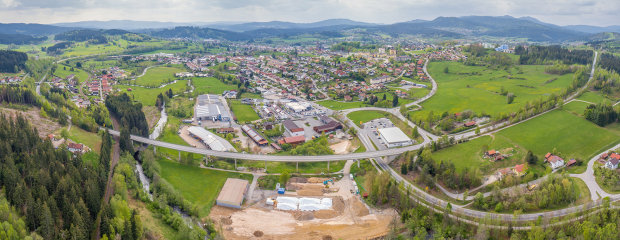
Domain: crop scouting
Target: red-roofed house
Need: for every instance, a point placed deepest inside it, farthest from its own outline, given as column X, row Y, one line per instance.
column 295, row 140
column 554, row 160
column 612, row 162
column 75, row 147
column 470, row 124
column 519, row 169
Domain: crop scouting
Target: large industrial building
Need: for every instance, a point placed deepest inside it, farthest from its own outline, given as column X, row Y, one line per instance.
column 211, row 107
column 394, row 137
column 208, row 138
column 232, row 193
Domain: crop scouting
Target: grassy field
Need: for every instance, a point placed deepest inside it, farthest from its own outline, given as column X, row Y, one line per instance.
column 148, row 96
column 62, row 73
column 92, row 140
column 243, row 112
column 336, row 105
column 211, row 85
column 197, row 185
column 361, row 117
column 157, row 76
column 469, row 155
column 572, row 136
column 477, row 88
column 593, row 97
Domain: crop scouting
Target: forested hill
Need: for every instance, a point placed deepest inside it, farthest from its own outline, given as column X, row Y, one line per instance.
column 12, row 61
column 57, row 193
column 20, row 39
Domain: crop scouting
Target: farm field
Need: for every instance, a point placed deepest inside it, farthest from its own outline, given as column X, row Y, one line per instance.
column 469, row 154
column 573, row 137
column 594, row 97
column 62, row 73
column 361, row 117
column 477, row 88
column 243, row 112
column 211, row 85
column 197, row 185
column 157, row 76
column 148, row 96
column 336, row 105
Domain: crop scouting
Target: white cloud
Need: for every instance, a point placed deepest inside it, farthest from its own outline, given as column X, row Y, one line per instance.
column 562, row 12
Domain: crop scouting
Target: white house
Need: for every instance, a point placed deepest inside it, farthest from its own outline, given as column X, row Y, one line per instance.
column 613, row 161
column 554, row 160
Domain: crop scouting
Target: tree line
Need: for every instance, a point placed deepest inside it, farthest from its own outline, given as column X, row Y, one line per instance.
column 536, row 55
column 129, row 113
column 20, row 39
column 93, row 36
column 610, row 62
column 57, row 192
column 601, row 114
column 12, row 61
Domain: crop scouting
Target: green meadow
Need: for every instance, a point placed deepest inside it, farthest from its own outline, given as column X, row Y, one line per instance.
column 570, row 135
column 148, row 96
column 211, row 85
column 478, row 88
column 243, row 112
column 157, row 76
column 197, row 185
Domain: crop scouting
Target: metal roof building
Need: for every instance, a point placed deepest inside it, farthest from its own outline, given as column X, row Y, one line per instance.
column 210, row 139
column 394, row 137
column 211, row 107
column 232, row 193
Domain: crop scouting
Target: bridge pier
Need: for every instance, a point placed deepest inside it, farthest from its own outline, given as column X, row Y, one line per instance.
column 297, row 167
column 265, row 166
column 328, row 165
column 154, row 149
column 235, row 164
column 179, row 156
column 358, row 163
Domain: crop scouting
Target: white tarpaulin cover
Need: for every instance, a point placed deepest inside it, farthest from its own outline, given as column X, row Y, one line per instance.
column 303, row 204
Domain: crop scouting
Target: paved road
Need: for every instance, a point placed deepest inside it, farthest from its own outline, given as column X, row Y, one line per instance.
column 596, row 191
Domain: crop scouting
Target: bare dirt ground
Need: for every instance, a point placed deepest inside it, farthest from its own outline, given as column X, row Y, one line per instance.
column 43, row 125
column 349, row 217
column 152, row 115
column 189, row 139
column 341, row 147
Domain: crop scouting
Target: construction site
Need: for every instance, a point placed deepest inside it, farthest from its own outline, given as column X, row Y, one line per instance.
column 310, row 208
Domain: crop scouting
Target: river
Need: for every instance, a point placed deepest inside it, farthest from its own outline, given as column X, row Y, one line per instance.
column 160, row 124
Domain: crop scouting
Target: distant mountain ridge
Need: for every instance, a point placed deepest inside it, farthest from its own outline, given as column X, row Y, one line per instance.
column 528, row 28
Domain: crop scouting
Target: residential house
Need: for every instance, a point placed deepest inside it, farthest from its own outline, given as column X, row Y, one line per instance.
column 519, row 169
column 612, row 162
column 75, row 147
column 554, row 160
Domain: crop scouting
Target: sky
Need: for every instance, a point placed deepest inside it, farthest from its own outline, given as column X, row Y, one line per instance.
column 560, row 12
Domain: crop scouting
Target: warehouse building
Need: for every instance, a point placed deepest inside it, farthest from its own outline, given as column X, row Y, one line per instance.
column 211, row 140
column 211, row 107
column 257, row 138
column 394, row 137
column 292, row 128
column 232, row 193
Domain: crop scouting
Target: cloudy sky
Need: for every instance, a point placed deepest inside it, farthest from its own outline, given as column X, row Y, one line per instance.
column 561, row 12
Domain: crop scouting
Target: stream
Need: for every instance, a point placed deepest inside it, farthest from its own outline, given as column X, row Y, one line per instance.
column 160, row 124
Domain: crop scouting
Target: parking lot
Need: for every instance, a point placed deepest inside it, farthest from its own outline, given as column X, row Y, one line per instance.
column 370, row 129
column 308, row 128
